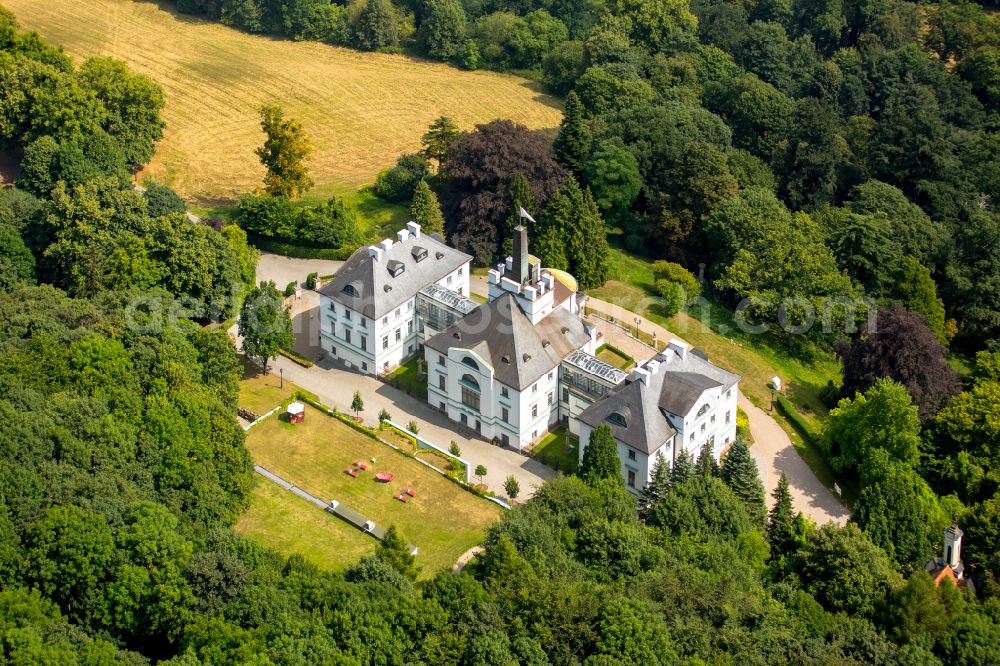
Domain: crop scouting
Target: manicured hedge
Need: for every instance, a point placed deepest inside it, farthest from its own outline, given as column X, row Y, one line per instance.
column 300, row 252
column 793, row 416
column 305, row 363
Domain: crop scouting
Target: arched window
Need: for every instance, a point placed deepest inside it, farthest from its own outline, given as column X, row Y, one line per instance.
column 350, row 290
column 469, row 361
column 701, row 412
column 470, row 392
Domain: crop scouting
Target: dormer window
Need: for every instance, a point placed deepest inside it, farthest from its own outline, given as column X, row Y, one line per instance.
column 350, row 290
column 395, row 268
column 419, row 253
column 468, row 360
column 617, row 419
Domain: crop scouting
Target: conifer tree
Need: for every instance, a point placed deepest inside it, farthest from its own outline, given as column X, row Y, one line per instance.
column 781, row 530
column 706, row 466
column 438, row 138
column 600, row 458
column 572, row 145
column 658, row 486
column 683, row 469
column 520, row 197
column 394, row 552
column 739, row 472
column 425, row 209
column 573, row 236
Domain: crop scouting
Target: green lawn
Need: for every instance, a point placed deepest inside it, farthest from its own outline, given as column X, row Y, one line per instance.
column 558, row 450
column 615, row 357
column 259, row 392
column 407, row 378
column 443, row 520
column 290, row 525
column 756, row 357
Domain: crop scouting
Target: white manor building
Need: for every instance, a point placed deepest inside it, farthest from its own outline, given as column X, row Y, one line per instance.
column 497, row 370
column 369, row 312
column 676, row 401
column 523, row 362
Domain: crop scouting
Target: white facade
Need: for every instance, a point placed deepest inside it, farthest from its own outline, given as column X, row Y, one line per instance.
column 668, row 381
column 462, row 384
column 377, row 344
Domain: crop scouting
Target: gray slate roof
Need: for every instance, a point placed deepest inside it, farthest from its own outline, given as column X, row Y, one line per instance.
column 673, row 388
column 519, row 352
column 379, row 290
column 647, row 429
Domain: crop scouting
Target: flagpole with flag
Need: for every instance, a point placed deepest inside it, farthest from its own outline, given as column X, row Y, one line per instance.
column 525, row 215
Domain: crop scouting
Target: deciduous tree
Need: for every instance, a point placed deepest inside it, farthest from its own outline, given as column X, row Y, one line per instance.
column 284, row 152
column 265, row 325
column 903, row 348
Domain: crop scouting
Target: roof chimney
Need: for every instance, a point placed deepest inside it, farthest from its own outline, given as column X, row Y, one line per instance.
column 375, row 252
column 677, row 347
column 521, row 253
column 642, row 375
column 386, row 244
column 413, row 228
column 402, row 235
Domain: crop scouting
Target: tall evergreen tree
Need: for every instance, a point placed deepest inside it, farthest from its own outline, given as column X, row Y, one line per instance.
column 683, row 469
column 658, row 486
column 438, row 137
column 425, row 209
column 707, row 465
column 600, row 458
column 520, row 197
column 573, row 235
column 572, row 145
column 394, row 552
column 739, row 472
column 781, row 531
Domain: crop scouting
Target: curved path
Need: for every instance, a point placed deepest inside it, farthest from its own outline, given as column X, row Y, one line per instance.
column 774, row 452
column 465, row 558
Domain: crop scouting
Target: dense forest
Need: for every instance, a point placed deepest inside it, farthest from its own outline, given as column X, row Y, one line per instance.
column 122, row 468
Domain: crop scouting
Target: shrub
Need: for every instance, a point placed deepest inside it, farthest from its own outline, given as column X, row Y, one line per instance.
column 161, row 200
column 671, row 272
column 454, row 449
column 290, row 289
column 398, row 183
column 413, row 426
column 673, row 296
column 311, row 281
column 384, row 415
column 743, row 424
column 829, row 395
column 512, row 487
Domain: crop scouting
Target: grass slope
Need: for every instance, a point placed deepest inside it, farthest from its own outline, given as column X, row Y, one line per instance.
column 442, row 520
column 361, row 110
column 290, row 525
column 756, row 357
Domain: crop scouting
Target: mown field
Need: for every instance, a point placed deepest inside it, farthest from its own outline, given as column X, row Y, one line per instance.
column 360, row 109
